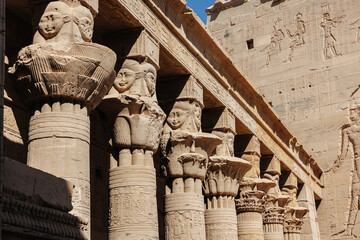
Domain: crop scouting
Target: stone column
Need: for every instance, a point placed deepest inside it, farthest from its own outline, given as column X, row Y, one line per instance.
column 249, row 208
column 251, row 204
column 222, row 181
column 62, row 76
column 274, row 214
column 135, row 121
column 294, row 213
column 186, row 150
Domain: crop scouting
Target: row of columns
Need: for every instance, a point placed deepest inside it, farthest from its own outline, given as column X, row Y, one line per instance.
column 62, row 76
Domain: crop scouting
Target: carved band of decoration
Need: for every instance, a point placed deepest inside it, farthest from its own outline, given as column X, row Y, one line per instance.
column 184, row 217
column 221, row 224
column 41, row 219
column 133, row 211
column 274, row 215
column 62, row 76
column 251, row 201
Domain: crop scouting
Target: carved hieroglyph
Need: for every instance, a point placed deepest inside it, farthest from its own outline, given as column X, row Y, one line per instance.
column 328, row 23
column 350, row 139
column 222, row 183
column 62, row 76
column 186, row 150
column 135, row 122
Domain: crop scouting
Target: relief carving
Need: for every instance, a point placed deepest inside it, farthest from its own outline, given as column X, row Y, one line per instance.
column 350, row 142
column 297, row 38
column 327, row 25
column 185, row 225
column 274, row 47
column 358, row 30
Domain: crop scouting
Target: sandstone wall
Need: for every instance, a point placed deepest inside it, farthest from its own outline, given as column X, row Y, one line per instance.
column 303, row 56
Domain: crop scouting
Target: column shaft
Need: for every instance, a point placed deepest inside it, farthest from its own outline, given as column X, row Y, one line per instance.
column 59, row 138
column 250, row 226
column 221, row 223
column 184, row 217
column 133, row 211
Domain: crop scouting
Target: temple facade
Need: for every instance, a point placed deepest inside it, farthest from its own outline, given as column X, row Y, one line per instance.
column 302, row 56
column 127, row 120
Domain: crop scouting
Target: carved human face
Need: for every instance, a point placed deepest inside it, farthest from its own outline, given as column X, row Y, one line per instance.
column 86, row 28
column 150, row 74
column 85, row 21
column 50, row 24
column 355, row 115
column 127, row 75
column 53, row 19
column 177, row 117
column 124, row 80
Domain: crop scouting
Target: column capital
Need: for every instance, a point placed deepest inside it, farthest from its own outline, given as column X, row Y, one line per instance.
column 63, row 62
column 224, row 174
column 274, row 215
column 251, row 201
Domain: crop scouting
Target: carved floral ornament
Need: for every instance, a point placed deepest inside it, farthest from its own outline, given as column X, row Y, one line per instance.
column 62, row 61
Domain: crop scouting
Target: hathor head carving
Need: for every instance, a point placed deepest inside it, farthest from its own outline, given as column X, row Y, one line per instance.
column 67, row 21
column 226, row 148
column 136, row 78
column 55, row 16
column 185, row 115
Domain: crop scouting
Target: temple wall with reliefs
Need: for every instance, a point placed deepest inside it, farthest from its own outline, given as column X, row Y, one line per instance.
column 302, row 56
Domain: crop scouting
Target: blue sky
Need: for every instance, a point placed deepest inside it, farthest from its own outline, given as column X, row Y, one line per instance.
column 199, row 7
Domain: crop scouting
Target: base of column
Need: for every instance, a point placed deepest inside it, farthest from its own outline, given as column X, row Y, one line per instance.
column 133, row 207
column 184, row 217
column 250, row 226
column 221, row 223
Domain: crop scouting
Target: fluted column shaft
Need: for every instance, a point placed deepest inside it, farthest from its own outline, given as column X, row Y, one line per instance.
column 220, row 219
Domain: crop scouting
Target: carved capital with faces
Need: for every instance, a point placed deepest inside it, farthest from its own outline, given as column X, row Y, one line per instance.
column 133, row 114
column 62, row 62
column 136, row 78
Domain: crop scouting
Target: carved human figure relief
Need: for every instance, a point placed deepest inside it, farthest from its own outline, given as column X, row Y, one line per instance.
column 357, row 22
column 350, row 138
column 327, row 25
column 274, row 47
column 297, row 37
